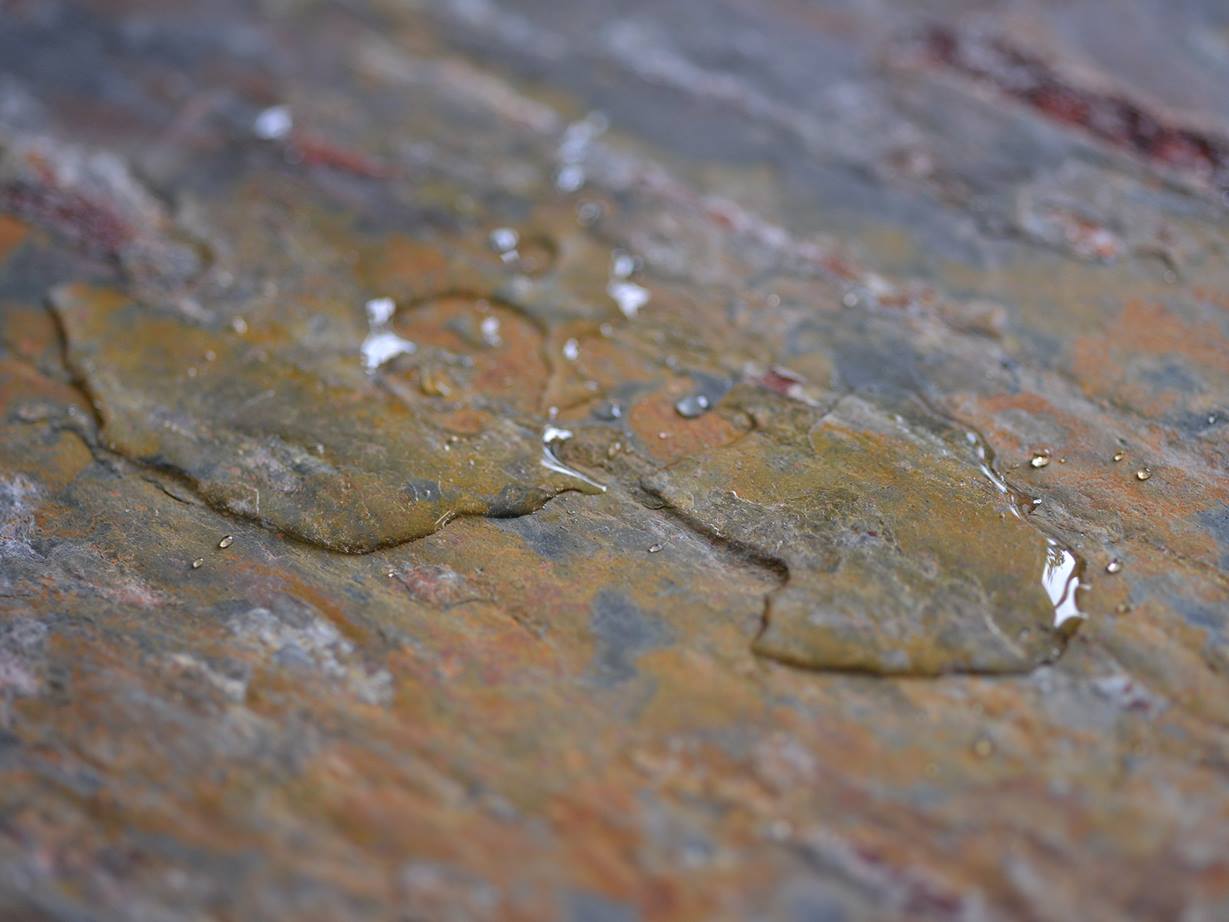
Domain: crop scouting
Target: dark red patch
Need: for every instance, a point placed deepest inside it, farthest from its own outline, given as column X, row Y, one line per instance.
column 69, row 213
column 781, row 381
column 1112, row 118
column 318, row 153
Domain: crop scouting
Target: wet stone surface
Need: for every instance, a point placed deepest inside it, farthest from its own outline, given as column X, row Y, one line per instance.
column 489, row 460
column 899, row 556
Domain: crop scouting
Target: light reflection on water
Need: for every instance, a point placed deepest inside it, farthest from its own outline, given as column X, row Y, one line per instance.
column 551, row 436
column 1060, row 577
column 1061, row 580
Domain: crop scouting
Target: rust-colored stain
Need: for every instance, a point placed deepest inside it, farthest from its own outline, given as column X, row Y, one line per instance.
column 575, row 463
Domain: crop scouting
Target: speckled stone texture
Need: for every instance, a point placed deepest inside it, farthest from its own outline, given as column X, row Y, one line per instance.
column 614, row 462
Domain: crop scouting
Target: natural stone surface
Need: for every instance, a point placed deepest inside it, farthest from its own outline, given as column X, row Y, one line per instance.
column 804, row 287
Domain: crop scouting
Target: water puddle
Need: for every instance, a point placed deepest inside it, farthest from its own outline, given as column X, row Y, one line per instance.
column 324, row 453
column 905, row 555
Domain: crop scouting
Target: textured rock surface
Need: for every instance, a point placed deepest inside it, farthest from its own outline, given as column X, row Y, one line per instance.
column 687, row 438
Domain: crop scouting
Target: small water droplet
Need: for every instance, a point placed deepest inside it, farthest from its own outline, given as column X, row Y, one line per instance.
column 692, row 405
column 504, row 240
column 226, row 542
column 983, row 747
column 380, row 348
column 210, row 355
column 1143, row 473
column 239, row 325
column 654, row 548
column 380, row 310
column 588, row 213
column 1040, row 459
column 490, row 331
column 629, row 296
column 1122, row 608
column 571, row 350
column 570, row 178
column 196, row 564
column 608, row 410
column 1114, row 566
column 273, row 123
column 1119, row 455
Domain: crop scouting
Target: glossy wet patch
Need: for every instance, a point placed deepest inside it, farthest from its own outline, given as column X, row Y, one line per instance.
column 903, row 556
column 475, row 348
column 333, row 459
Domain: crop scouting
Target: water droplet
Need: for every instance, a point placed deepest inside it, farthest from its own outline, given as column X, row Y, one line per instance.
column 629, row 296
column 504, row 240
column 551, row 436
column 588, row 213
column 1119, row 455
column 983, row 747
column 1114, row 566
column 382, row 347
column 570, row 178
column 1040, row 458
column 608, row 410
column 1144, row 473
column 196, row 564
column 226, row 542
column 273, row 123
column 1122, row 608
column 210, row 355
column 380, row 310
column 693, row 405
column 622, row 265
column 571, row 350
column 490, row 331
column 573, row 148
column 239, row 325
column 654, row 548
column 535, row 255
